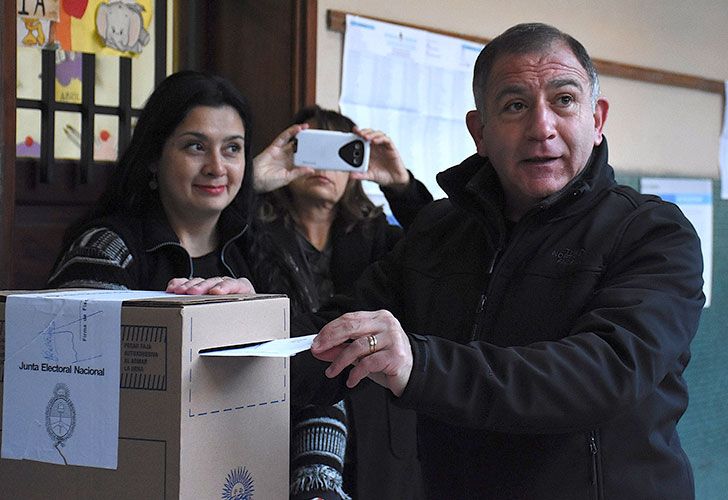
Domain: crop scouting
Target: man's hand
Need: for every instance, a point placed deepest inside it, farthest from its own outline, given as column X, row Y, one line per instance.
column 273, row 167
column 379, row 349
column 219, row 285
column 385, row 165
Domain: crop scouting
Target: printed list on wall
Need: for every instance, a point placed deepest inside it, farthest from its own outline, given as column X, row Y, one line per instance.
column 414, row 85
column 695, row 199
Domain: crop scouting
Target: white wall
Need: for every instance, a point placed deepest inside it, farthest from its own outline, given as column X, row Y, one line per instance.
column 652, row 129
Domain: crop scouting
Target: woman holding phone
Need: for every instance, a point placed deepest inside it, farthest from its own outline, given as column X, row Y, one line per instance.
column 318, row 232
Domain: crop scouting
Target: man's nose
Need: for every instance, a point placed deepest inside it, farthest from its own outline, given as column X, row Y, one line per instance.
column 542, row 123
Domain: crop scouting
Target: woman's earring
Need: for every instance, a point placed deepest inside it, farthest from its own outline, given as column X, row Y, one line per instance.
column 153, row 182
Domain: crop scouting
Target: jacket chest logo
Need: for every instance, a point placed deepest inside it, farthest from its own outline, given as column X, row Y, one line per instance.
column 568, row 256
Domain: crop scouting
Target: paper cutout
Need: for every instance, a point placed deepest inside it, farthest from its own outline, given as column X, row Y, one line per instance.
column 32, row 32
column 75, row 8
column 38, row 9
column 29, row 148
column 105, row 146
column 69, row 71
column 121, row 26
column 116, row 27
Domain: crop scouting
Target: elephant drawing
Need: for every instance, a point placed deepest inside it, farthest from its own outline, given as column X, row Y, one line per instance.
column 120, row 25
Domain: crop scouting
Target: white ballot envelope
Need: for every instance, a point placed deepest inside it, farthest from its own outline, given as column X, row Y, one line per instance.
column 271, row 349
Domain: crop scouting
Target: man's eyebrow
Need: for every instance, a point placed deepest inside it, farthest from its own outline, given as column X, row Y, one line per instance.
column 565, row 82
column 510, row 89
column 521, row 89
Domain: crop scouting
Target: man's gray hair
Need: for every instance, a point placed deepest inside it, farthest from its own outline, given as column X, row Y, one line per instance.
column 528, row 38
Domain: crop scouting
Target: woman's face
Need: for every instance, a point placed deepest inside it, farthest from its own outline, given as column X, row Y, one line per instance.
column 202, row 164
column 322, row 186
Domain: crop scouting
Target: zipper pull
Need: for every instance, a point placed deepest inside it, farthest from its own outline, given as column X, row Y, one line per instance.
column 594, row 471
column 483, row 299
column 481, row 304
column 478, row 312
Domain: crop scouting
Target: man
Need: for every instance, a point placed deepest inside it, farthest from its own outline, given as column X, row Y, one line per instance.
column 538, row 321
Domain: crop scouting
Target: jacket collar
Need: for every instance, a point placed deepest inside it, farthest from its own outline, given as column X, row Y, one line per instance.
column 158, row 232
column 474, row 186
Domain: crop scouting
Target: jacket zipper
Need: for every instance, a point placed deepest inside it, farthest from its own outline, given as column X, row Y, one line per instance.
column 224, row 248
column 499, row 252
column 594, row 451
column 474, row 334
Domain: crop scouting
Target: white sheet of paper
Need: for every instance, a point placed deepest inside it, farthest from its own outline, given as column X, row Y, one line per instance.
column 61, row 376
column 413, row 84
column 695, row 199
column 723, row 153
column 272, row 349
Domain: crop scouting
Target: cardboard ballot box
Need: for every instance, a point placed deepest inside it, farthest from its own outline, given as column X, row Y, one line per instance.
column 189, row 426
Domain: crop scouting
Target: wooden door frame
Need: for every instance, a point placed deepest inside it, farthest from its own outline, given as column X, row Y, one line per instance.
column 304, row 59
column 7, row 138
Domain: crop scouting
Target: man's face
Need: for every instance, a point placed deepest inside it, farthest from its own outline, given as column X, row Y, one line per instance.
column 538, row 128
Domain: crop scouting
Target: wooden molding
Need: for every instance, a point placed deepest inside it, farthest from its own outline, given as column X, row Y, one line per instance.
column 304, row 56
column 336, row 21
column 7, row 138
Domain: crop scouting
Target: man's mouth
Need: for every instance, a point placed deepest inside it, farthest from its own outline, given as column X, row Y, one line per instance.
column 541, row 160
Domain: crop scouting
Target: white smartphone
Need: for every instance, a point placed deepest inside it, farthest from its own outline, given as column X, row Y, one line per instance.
column 331, row 150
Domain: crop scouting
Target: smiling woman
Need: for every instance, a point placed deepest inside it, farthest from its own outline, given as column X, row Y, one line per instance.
column 200, row 173
column 180, row 199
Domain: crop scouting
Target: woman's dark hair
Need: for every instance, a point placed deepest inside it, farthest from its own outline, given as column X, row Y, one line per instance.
column 128, row 190
column 354, row 206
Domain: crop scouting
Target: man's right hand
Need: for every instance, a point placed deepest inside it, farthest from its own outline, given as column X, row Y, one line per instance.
column 373, row 342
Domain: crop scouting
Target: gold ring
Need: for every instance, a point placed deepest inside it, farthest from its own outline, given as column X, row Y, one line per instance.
column 372, row 343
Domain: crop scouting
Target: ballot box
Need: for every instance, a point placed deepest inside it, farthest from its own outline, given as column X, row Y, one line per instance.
column 188, row 426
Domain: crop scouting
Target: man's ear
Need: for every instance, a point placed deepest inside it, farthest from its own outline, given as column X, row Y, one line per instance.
column 475, row 127
column 600, row 117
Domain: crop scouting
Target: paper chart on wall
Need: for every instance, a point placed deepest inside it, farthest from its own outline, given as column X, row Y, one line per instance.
column 415, row 86
column 695, row 199
column 723, row 155
column 61, row 376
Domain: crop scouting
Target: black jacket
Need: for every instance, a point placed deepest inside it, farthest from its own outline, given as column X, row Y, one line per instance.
column 548, row 362
column 142, row 253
